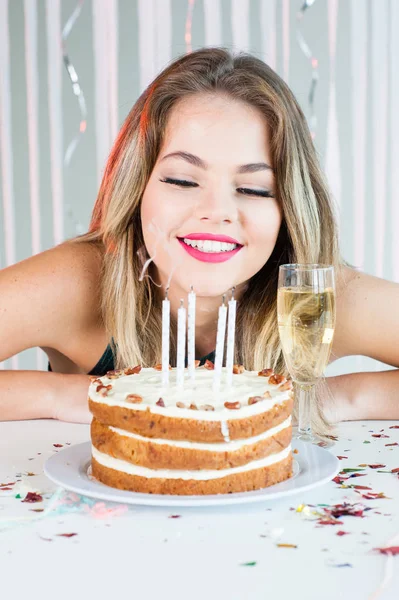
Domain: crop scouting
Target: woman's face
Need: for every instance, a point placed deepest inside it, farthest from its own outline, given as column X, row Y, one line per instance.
column 209, row 213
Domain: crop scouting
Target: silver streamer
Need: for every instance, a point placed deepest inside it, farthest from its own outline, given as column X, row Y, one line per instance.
column 77, row 90
column 314, row 64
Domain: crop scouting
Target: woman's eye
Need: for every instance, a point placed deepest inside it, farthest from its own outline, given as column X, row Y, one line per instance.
column 190, row 184
column 179, row 182
column 249, row 192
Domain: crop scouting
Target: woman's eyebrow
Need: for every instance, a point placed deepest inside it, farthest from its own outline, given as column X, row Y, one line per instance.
column 198, row 162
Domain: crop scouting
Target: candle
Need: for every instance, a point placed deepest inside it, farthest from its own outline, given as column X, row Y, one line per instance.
column 191, row 335
column 181, row 344
column 231, row 328
column 165, row 340
column 221, row 332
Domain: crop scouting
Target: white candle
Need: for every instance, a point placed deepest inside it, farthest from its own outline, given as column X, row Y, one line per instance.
column 181, row 344
column 221, row 332
column 191, row 335
column 165, row 340
column 231, row 328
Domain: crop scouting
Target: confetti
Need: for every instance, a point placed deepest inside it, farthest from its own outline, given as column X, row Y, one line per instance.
column 32, row 497
column 249, row 564
column 377, row 466
column 392, row 550
column 350, row 470
column 341, row 457
column 66, row 535
column 101, row 510
column 395, row 470
column 394, row 444
column 394, row 427
column 287, row 546
column 342, row 565
column 374, row 496
column 339, row 479
column 29, row 474
column 340, row 510
column 379, row 435
column 174, row 516
column 340, row 532
column 366, row 442
column 57, row 445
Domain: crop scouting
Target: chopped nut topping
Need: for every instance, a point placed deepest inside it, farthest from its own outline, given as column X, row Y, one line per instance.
column 101, row 387
column 285, row 386
column 180, row 405
column 276, row 379
column 232, row 405
column 207, row 407
column 160, row 402
column 158, row 367
column 193, row 406
column 105, row 391
column 238, row 369
column 209, row 365
column 96, row 380
column 267, row 395
column 254, row 399
column 132, row 371
column 265, row 372
column 134, row 398
column 114, row 374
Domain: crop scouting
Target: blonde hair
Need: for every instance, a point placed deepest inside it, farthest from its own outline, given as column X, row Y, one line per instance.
column 131, row 308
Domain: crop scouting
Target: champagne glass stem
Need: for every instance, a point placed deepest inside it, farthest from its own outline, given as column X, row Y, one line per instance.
column 305, row 395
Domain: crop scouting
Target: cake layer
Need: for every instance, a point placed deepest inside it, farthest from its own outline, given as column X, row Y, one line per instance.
column 163, row 454
column 176, row 402
column 253, row 476
column 155, row 425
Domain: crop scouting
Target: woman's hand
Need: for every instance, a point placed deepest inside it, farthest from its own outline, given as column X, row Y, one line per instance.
column 71, row 403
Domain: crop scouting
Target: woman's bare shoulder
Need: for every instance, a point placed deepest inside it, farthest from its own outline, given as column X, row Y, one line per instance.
column 367, row 316
column 49, row 296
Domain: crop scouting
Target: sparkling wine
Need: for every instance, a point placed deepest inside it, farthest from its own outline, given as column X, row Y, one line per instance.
column 306, row 321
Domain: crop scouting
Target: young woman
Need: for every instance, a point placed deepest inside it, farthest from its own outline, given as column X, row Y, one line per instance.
column 214, row 176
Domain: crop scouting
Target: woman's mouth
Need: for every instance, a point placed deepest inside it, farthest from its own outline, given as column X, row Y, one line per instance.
column 210, row 248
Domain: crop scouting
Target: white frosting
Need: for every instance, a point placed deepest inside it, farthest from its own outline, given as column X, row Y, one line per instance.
column 148, row 384
column 217, row 447
column 224, row 427
column 203, row 474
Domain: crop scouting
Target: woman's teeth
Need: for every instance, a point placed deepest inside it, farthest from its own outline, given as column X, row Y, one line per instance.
column 210, row 246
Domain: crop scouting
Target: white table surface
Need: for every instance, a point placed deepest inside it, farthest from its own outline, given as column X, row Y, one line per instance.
column 140, row 552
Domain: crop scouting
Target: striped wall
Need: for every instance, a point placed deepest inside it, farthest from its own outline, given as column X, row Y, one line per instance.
column 52, row 155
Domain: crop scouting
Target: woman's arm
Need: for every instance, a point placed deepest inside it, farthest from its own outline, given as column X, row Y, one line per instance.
column 41, row 395
column 367, row 325
column 358, row 396
column 49, row 301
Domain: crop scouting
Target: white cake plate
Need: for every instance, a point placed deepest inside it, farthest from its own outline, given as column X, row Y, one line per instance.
column 70, row 469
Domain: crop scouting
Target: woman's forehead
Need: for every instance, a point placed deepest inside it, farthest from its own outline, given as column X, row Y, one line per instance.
column 210, row 126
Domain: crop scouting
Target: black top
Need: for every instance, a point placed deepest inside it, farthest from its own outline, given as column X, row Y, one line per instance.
column 107, row 363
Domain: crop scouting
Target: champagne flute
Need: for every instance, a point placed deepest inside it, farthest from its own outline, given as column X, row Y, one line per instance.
column 306, row 322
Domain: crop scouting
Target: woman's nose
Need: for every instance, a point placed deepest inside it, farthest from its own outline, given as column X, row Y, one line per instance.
column 217, row 207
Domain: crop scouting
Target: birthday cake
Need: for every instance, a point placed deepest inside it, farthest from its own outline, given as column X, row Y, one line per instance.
column 152, row 438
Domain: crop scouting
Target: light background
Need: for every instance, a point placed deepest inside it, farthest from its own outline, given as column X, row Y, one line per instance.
column 117, row 47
